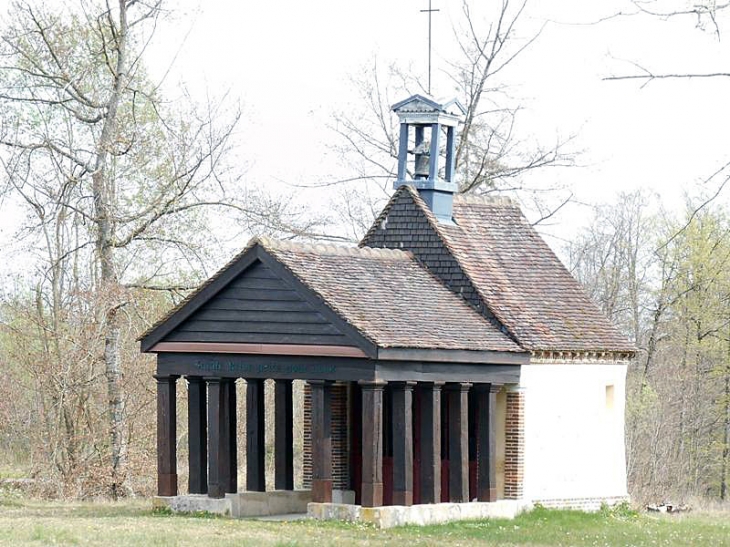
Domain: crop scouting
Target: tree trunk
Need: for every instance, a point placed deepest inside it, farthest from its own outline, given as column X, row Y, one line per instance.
column 103, row 189
column 726, row 431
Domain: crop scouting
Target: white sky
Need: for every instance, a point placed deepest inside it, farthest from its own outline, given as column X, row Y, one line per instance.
column 289, row 62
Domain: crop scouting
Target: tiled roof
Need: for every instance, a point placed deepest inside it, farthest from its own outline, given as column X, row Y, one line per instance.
column 522, row 281
column 503, row 268
column 389, row 297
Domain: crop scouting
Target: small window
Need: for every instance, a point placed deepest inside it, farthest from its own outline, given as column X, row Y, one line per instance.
column 609, row 397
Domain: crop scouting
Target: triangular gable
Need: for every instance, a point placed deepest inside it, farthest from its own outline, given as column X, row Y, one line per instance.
column 254, row 300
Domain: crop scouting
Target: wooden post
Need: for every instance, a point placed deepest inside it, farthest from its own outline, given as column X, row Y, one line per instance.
column 166, row 436
column 255, row 437
column 430, row 456
column 197, row 436
column 403, row 443
column 487, row 441
column 458, row 403
column 229, row 437
column 284, row 436
column 372, row 443
column 321, row 441
column 216, row 488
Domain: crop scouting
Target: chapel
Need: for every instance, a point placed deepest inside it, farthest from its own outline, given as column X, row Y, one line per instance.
column 449, row 358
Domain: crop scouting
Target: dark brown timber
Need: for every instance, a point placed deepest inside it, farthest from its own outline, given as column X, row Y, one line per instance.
column 403, row 443
column 372, row 443
column 229, row 438
column 284, row 436
column 486, row 441
column 458, row 403
column 321, row 441
column 197, row 436
column 255, row 436
column 166, row 436
column 430, row 456
column 215, row 486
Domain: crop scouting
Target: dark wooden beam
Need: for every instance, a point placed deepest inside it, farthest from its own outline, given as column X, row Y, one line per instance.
column 229, row 437
column 216, row 488
column 321, row 441
column 255, row 436
column 455, row 356
column 430, row 456
column 372, row 443
column 277, row 367
column 487, row 441
column 458, row 403
column 197, row 436
column 284, row 436
column 166, row 436
column 266, row 349
column 403, row 443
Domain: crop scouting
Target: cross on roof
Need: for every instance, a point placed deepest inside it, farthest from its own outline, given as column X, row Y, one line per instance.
column 430, row 10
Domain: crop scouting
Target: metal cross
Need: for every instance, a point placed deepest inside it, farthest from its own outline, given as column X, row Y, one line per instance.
column 429, row 11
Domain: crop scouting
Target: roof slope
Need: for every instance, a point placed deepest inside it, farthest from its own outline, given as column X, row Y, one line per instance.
column 514, row 273
column 522, row 281
column 389, row 297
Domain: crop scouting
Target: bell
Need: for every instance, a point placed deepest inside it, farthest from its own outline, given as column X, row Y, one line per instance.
column 422, row 154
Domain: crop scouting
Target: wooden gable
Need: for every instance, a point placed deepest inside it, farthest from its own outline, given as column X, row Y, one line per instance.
column 255, row 305
column 258, row 307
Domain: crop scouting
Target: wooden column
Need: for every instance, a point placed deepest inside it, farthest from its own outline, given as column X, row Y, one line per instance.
column 216, row 488
column 321, row 441
column 458, row 403
column 372, row 443
column 430, row 456
column 229, row 437
column 487, row 441
column 166, row 436
column 197, row 436
column 284, row 436
column 403, row 443
column 255, row 436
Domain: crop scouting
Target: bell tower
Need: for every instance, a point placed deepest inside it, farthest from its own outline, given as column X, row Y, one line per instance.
column 433, row 178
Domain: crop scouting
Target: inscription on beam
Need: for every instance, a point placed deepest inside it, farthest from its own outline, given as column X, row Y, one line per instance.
column 263, row 368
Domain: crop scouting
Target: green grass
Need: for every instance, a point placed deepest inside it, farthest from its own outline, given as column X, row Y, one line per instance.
column 133, row 523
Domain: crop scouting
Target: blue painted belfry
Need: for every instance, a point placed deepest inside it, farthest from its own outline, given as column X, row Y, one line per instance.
column 422, row 113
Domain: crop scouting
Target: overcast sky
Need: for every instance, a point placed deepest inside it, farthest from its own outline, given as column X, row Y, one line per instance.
column 289, row 64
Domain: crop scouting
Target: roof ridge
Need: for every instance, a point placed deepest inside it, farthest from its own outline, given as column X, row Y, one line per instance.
column 486, row 199
column 331, row 249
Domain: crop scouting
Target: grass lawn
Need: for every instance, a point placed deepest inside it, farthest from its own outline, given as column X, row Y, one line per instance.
column 133, row 523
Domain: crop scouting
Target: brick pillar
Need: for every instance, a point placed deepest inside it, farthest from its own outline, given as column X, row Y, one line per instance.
column 340, row 446
column 307, row 438
column 514, row 462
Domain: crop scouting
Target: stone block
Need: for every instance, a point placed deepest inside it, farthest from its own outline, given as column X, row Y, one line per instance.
column 201, row 503
column 419, row 515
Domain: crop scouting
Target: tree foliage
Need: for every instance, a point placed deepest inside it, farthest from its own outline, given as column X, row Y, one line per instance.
column 665, row 282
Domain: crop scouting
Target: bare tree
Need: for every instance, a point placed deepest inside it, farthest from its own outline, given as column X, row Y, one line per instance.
column 491, row 156
column 119, row 185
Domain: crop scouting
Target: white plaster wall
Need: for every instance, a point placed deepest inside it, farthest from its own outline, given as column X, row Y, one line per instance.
column 574, row 443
